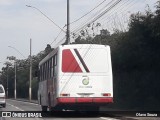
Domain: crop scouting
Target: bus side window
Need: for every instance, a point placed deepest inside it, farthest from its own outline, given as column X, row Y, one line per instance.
column 50, row 67
column 43, row 71
column 45, row 67
column 52, row 61
column 40, row 73
column 55, row 64
column 47, row 71
column 55, row 60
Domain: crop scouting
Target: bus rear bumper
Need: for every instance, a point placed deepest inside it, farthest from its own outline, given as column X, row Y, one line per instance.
column 73, row 100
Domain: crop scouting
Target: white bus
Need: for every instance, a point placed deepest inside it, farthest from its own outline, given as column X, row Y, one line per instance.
column 76, row 77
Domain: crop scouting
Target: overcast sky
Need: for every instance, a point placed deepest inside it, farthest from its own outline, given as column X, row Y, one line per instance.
column 19, row 23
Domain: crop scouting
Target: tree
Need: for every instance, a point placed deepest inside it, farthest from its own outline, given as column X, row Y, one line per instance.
column 48, row 49
column 135, row 60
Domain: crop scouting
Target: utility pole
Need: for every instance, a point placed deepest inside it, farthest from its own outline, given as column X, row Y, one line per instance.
column 7, row 81
column 30, row 75
column 15, row 65
column 15, row 92
column 68, row 24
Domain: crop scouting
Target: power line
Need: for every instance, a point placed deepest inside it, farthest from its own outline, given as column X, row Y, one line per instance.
column 121, row 6
column 46, row 17
column 127, row 3
column 73, row 21
column 17, row 51
column 128, row 6
column 101, row 10
column 96, row 18
column 113, row 11
column 57, row 36
column 88, row 12
column 100, row 15
column 89, row 19
column 103, row 13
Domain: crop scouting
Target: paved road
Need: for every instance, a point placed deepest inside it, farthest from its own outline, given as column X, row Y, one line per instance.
column 13, row 105
column 21, row 106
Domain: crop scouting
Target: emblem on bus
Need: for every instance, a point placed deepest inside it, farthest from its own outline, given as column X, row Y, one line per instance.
column 85, row 81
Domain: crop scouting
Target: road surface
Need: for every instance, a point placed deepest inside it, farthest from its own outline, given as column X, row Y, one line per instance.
column 13, row 105
column 21, row 106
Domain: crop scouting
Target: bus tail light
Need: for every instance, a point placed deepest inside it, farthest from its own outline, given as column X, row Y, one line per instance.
column 106, row 94
column 64, row 95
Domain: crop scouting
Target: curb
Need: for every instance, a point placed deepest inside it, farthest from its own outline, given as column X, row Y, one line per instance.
column 25, row 100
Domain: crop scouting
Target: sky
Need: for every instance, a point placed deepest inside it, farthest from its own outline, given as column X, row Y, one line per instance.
column 19, row 23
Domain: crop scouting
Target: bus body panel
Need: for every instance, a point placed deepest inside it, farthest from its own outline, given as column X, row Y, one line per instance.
column 42, row 96
column 76, row 87
column 82, row 74
column 96, row 71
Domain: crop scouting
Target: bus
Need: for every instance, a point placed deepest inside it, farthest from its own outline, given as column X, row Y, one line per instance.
column 76, row 77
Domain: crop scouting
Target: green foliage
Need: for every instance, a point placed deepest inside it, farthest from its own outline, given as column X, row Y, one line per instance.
column 48, row 49
column 22, row 74
column 135, row 61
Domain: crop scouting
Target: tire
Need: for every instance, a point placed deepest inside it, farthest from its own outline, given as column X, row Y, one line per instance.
column 49, row 103
column 56, row 109
column 4, row 105
column 40, row 100
column 44, row 108
column 93, row 111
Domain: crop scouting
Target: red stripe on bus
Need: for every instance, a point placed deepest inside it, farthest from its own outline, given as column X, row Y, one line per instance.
column 103, row 100
column 82, row 61
column 84, row 100
column 69, row 63
column 66, row 100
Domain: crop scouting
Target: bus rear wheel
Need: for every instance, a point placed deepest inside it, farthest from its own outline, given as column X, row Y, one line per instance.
column 4, row 105
column 44, row 108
